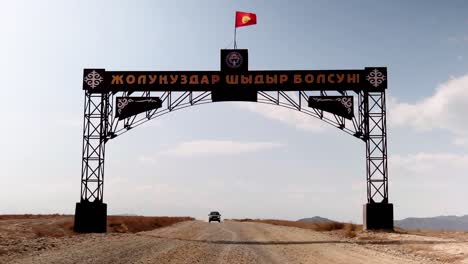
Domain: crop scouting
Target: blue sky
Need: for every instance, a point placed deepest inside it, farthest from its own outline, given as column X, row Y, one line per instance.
column 255, row 164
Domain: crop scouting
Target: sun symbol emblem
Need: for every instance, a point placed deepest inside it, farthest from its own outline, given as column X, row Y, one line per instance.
column 246, row 19
column 234, row 60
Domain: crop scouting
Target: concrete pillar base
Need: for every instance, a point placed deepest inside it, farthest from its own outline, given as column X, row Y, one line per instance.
column 378, row 216
column 90, row 217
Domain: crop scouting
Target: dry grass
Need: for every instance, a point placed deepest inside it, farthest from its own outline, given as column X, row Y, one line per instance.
column 133, row 224
column 398, row 242
column 457, row 235
column 348, row 229
column 62, row 225
column 60, row 229
column 29, row 216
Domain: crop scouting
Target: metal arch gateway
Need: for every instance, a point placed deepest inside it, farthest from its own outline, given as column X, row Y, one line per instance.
column 324, row 94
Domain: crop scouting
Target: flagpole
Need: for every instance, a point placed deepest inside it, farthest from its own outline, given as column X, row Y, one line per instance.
column 235, row 31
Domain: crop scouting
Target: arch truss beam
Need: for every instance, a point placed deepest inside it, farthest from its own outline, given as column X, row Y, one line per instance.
column 306, row 91
column 100, row 126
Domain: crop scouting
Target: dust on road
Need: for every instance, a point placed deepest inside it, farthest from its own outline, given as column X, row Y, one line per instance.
column 201, row 242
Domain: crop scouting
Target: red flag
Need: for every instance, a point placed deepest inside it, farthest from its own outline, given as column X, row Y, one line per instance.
column 245, row 19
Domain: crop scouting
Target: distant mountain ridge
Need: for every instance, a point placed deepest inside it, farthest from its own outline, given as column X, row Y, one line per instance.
column 123, row 215
column 449, row 222
column 316, row 219
column 446, row 222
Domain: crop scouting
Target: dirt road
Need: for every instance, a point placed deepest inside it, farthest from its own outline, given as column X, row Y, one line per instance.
column 200, row 242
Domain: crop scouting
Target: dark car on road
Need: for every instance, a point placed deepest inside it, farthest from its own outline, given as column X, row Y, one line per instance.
column 214, row 216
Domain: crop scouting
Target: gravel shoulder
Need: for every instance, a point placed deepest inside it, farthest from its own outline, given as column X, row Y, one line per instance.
column 230, row 242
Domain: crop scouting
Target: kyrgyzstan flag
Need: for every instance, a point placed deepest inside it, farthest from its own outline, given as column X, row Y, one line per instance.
column 245, row 19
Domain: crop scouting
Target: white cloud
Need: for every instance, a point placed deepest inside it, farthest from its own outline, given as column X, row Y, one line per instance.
column 429, row 164
column 458, row 39
column 428, row 184
column 219, row 147
column 287, row 116
column 205, row 148
column 446, row 109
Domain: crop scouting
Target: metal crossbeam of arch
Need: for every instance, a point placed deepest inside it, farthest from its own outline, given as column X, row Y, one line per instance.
column 101, row 125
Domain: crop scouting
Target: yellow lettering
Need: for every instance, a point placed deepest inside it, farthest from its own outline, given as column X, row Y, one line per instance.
column 163, row 79
column 204, row 80
column 130, row 79
column 309, row 78
column 173, row 78
column 353, row 78
column 117, row 79
column 271, row 79
column 152, row 79
column 340, row 78
column 194, row 79
column 183, row 79
column 330, row 78
column 246, row 79
column 283, row 78
column 215, row 79
column 321, row 78
column 232, row 79
column 297, row 78
column 142, row 79
column 259, row 79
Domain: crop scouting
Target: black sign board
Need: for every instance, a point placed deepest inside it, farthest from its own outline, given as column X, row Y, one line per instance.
column 234, row 61
column 235, row 76
column 129, row 106
column 338, row 105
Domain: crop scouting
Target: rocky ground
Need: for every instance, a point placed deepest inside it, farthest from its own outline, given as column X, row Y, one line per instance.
column 228, row 242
